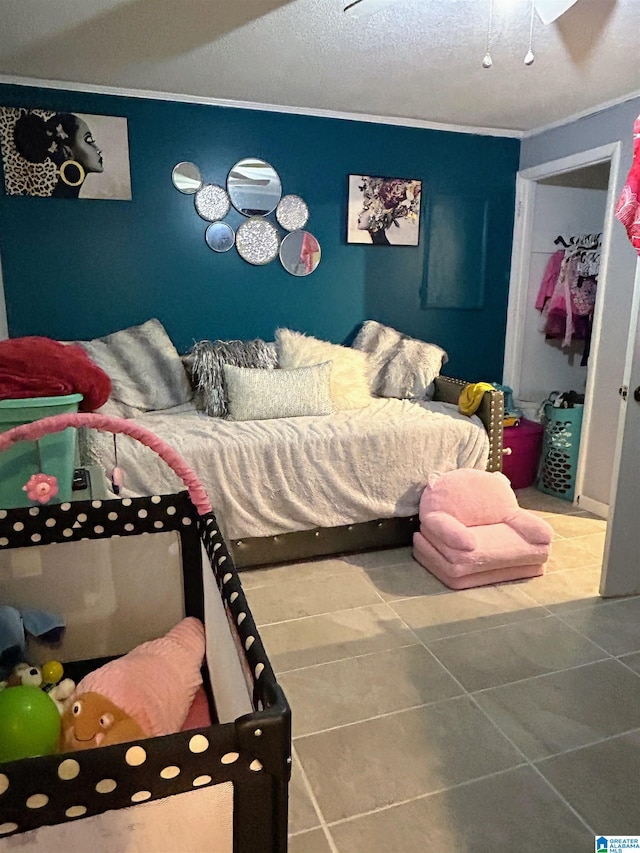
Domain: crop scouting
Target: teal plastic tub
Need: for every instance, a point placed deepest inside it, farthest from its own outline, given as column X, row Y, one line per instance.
column 53, row 454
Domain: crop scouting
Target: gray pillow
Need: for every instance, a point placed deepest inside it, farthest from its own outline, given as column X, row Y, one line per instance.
column 206, row 359
column 145, row 368
column 256, row 394
column 399, row 366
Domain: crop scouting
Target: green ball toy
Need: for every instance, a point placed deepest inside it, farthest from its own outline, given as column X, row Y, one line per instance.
column 29, row 723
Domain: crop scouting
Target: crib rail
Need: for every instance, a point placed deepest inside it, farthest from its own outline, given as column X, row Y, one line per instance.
column 117, row 426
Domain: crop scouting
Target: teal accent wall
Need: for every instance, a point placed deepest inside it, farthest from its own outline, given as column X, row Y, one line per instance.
column 77, row 269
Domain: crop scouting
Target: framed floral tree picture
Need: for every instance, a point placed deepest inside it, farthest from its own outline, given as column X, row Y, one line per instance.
column 384, row 211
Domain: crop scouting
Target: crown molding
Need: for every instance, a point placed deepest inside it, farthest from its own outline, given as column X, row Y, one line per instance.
column 615, row 102
column 250, row 105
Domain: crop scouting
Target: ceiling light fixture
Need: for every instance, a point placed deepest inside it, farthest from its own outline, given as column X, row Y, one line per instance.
column 529, row 57
column 487, row 62
column 548, row 12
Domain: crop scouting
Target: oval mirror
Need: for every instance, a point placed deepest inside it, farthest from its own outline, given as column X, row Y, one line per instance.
column 254, row 187
column 292, row 212
column 257, row 240
column 300, row 253
column 186, row 177
column 212, row 202
column 220, row 236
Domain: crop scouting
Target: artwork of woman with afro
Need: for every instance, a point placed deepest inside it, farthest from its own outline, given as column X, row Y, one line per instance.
column 64, row 155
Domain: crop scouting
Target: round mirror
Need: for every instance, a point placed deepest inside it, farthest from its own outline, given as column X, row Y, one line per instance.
column 186, row 177
column 300, row 253
column 292, row 212
column 212, row 202
column 257, row 240
column 254, row 187
column 220, row 236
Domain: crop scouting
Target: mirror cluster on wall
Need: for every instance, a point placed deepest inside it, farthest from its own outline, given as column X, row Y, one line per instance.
column 254, row 189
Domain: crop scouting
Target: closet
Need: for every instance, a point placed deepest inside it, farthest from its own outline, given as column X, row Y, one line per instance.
column 567, row 200
column 567, row 208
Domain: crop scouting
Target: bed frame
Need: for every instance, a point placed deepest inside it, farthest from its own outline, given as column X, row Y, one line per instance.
column 257, row 551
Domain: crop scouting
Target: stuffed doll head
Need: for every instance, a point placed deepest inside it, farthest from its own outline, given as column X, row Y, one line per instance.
column 92, row 720
column 146, row 693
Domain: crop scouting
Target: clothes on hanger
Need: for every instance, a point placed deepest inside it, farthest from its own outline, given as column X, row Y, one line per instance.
column 549, row 279
column 567, row 293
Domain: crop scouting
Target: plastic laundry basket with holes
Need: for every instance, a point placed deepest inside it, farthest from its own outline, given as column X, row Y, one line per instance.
column 560, row 449
column 220, row 784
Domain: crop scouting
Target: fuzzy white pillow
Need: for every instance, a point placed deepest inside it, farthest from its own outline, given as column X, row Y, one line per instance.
column 399, row 366
column 348, row 384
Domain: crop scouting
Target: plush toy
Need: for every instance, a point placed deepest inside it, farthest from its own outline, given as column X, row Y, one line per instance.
column 24, row 673
column 48, row 677
column 146, row 693
column 16, row 624
column 31, row 706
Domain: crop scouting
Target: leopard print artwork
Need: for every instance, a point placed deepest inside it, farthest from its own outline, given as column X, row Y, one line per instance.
column 20, row 176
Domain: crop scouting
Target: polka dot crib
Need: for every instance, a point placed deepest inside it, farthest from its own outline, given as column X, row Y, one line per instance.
column 219, row 787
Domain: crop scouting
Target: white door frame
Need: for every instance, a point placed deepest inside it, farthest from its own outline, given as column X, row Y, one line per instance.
column 526, row 183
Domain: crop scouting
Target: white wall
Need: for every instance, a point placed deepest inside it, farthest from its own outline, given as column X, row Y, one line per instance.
column 611, row 125
column 546, row 366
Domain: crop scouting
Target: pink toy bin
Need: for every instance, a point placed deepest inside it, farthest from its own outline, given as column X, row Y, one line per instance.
column 524, row 442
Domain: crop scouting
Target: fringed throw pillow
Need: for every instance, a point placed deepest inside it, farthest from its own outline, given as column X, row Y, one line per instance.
column 206, row 360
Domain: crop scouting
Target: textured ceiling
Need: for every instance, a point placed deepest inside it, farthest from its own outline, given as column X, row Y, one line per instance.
column 417, row 60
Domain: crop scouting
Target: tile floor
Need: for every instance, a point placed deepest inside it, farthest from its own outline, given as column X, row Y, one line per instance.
column 505, row 718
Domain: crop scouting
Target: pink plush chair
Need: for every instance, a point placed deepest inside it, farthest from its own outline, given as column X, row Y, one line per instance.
column 472, row 531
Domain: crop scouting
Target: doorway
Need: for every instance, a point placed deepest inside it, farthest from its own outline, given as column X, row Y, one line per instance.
column 565, row 198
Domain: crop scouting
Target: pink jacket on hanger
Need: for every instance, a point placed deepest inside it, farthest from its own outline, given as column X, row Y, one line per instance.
column 549, row 279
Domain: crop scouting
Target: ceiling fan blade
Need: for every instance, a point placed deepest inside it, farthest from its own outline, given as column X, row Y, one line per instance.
column 362, row 8
column 550, row 10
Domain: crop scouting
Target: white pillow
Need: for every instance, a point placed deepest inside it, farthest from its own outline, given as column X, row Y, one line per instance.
column 256, row 394
column 399, row 366
column 349, row 385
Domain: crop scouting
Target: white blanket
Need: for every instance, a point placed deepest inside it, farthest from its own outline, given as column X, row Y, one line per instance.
column 278, row 476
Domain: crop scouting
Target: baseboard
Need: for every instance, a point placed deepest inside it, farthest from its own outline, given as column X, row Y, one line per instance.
column 596, row 507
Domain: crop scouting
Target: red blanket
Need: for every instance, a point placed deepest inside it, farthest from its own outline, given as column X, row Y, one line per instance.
column 41, row 367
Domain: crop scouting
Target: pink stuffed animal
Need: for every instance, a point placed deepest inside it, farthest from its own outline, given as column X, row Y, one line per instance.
column 146, row 693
